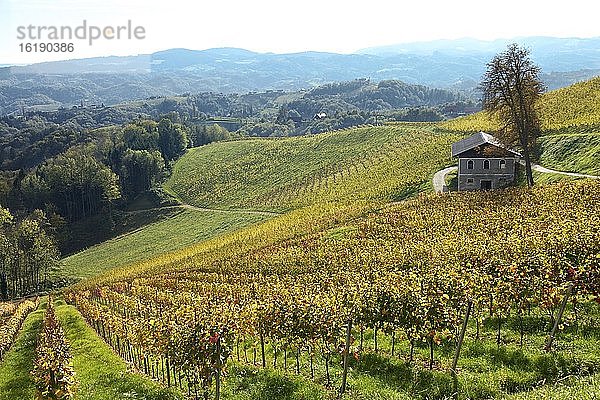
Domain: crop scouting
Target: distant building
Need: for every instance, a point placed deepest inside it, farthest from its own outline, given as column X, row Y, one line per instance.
column 484, row 163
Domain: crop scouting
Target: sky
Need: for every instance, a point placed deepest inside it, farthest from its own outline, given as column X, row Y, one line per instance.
column 283, row 26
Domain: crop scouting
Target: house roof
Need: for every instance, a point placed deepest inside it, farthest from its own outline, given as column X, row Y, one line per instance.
column 477, row 140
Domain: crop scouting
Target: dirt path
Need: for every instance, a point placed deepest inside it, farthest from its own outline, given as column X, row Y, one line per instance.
column 539, row 168
column 439, row 179
column 194, row 208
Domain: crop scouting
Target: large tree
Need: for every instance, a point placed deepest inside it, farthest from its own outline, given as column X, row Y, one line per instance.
column 75, row 182
column 172, row 139
column 511, row 87
column 140, row 170
column 27, row 254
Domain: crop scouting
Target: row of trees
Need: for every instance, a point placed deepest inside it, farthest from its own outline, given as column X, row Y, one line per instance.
column 87, row 179
column 28, row 253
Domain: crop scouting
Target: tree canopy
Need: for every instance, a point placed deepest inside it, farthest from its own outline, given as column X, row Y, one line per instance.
column 511, row 88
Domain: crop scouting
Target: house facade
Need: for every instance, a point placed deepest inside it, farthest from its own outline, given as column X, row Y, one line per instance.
column 484, row 163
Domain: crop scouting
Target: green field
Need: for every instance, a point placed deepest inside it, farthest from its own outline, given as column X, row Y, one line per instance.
column 185, row 228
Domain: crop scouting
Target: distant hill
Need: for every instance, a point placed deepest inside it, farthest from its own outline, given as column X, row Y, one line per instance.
column 570, row 52
column 456, row 65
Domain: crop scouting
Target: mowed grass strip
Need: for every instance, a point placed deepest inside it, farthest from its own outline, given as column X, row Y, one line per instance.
column 572, row 153
column 100, row 373
column 15, row 380
column 182, row 230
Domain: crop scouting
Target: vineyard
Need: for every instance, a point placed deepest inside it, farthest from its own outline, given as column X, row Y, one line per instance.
column 572, row 109
column 53, row 372
column 99, row 373
column 389, row 289
column 368, row 163
column 11, row 319
column 359, row 289
column 376, row 163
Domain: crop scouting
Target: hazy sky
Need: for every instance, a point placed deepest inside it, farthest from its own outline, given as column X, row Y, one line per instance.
column 280, row 26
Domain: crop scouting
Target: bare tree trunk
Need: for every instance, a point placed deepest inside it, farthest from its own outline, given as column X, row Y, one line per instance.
column 528, row 171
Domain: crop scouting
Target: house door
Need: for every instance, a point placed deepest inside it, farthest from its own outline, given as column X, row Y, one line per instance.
column 486, row 185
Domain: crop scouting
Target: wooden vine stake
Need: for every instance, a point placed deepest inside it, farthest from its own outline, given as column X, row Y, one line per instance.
column 218, row 377
column 346, row 356
column 561, row 310
column 461, row 338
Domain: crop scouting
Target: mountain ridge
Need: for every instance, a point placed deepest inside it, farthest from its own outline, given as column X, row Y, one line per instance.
column 234, row 70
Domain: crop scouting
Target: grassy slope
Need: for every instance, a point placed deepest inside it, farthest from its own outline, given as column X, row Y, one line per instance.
column 574, row 388
column 275, row 174
column 279, row 174
column 15, row 380
column 184, row 229
column 572, row 153
column 101, row 374
column 381, row 164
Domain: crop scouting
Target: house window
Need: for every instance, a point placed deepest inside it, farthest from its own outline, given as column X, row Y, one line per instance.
column 486, row 164
column 470, row 164
column 469, row 180
column 502, row 164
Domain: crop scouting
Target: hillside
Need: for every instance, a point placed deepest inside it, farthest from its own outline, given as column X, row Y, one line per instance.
column 575, row 108
column 294, row 281
column 187, row 227
column 368, row 163
column 279, row 295
column 273, row 299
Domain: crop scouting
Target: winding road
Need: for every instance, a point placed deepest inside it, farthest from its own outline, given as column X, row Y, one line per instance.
column 545, row 170
column 190, row 207
column 439, row 178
